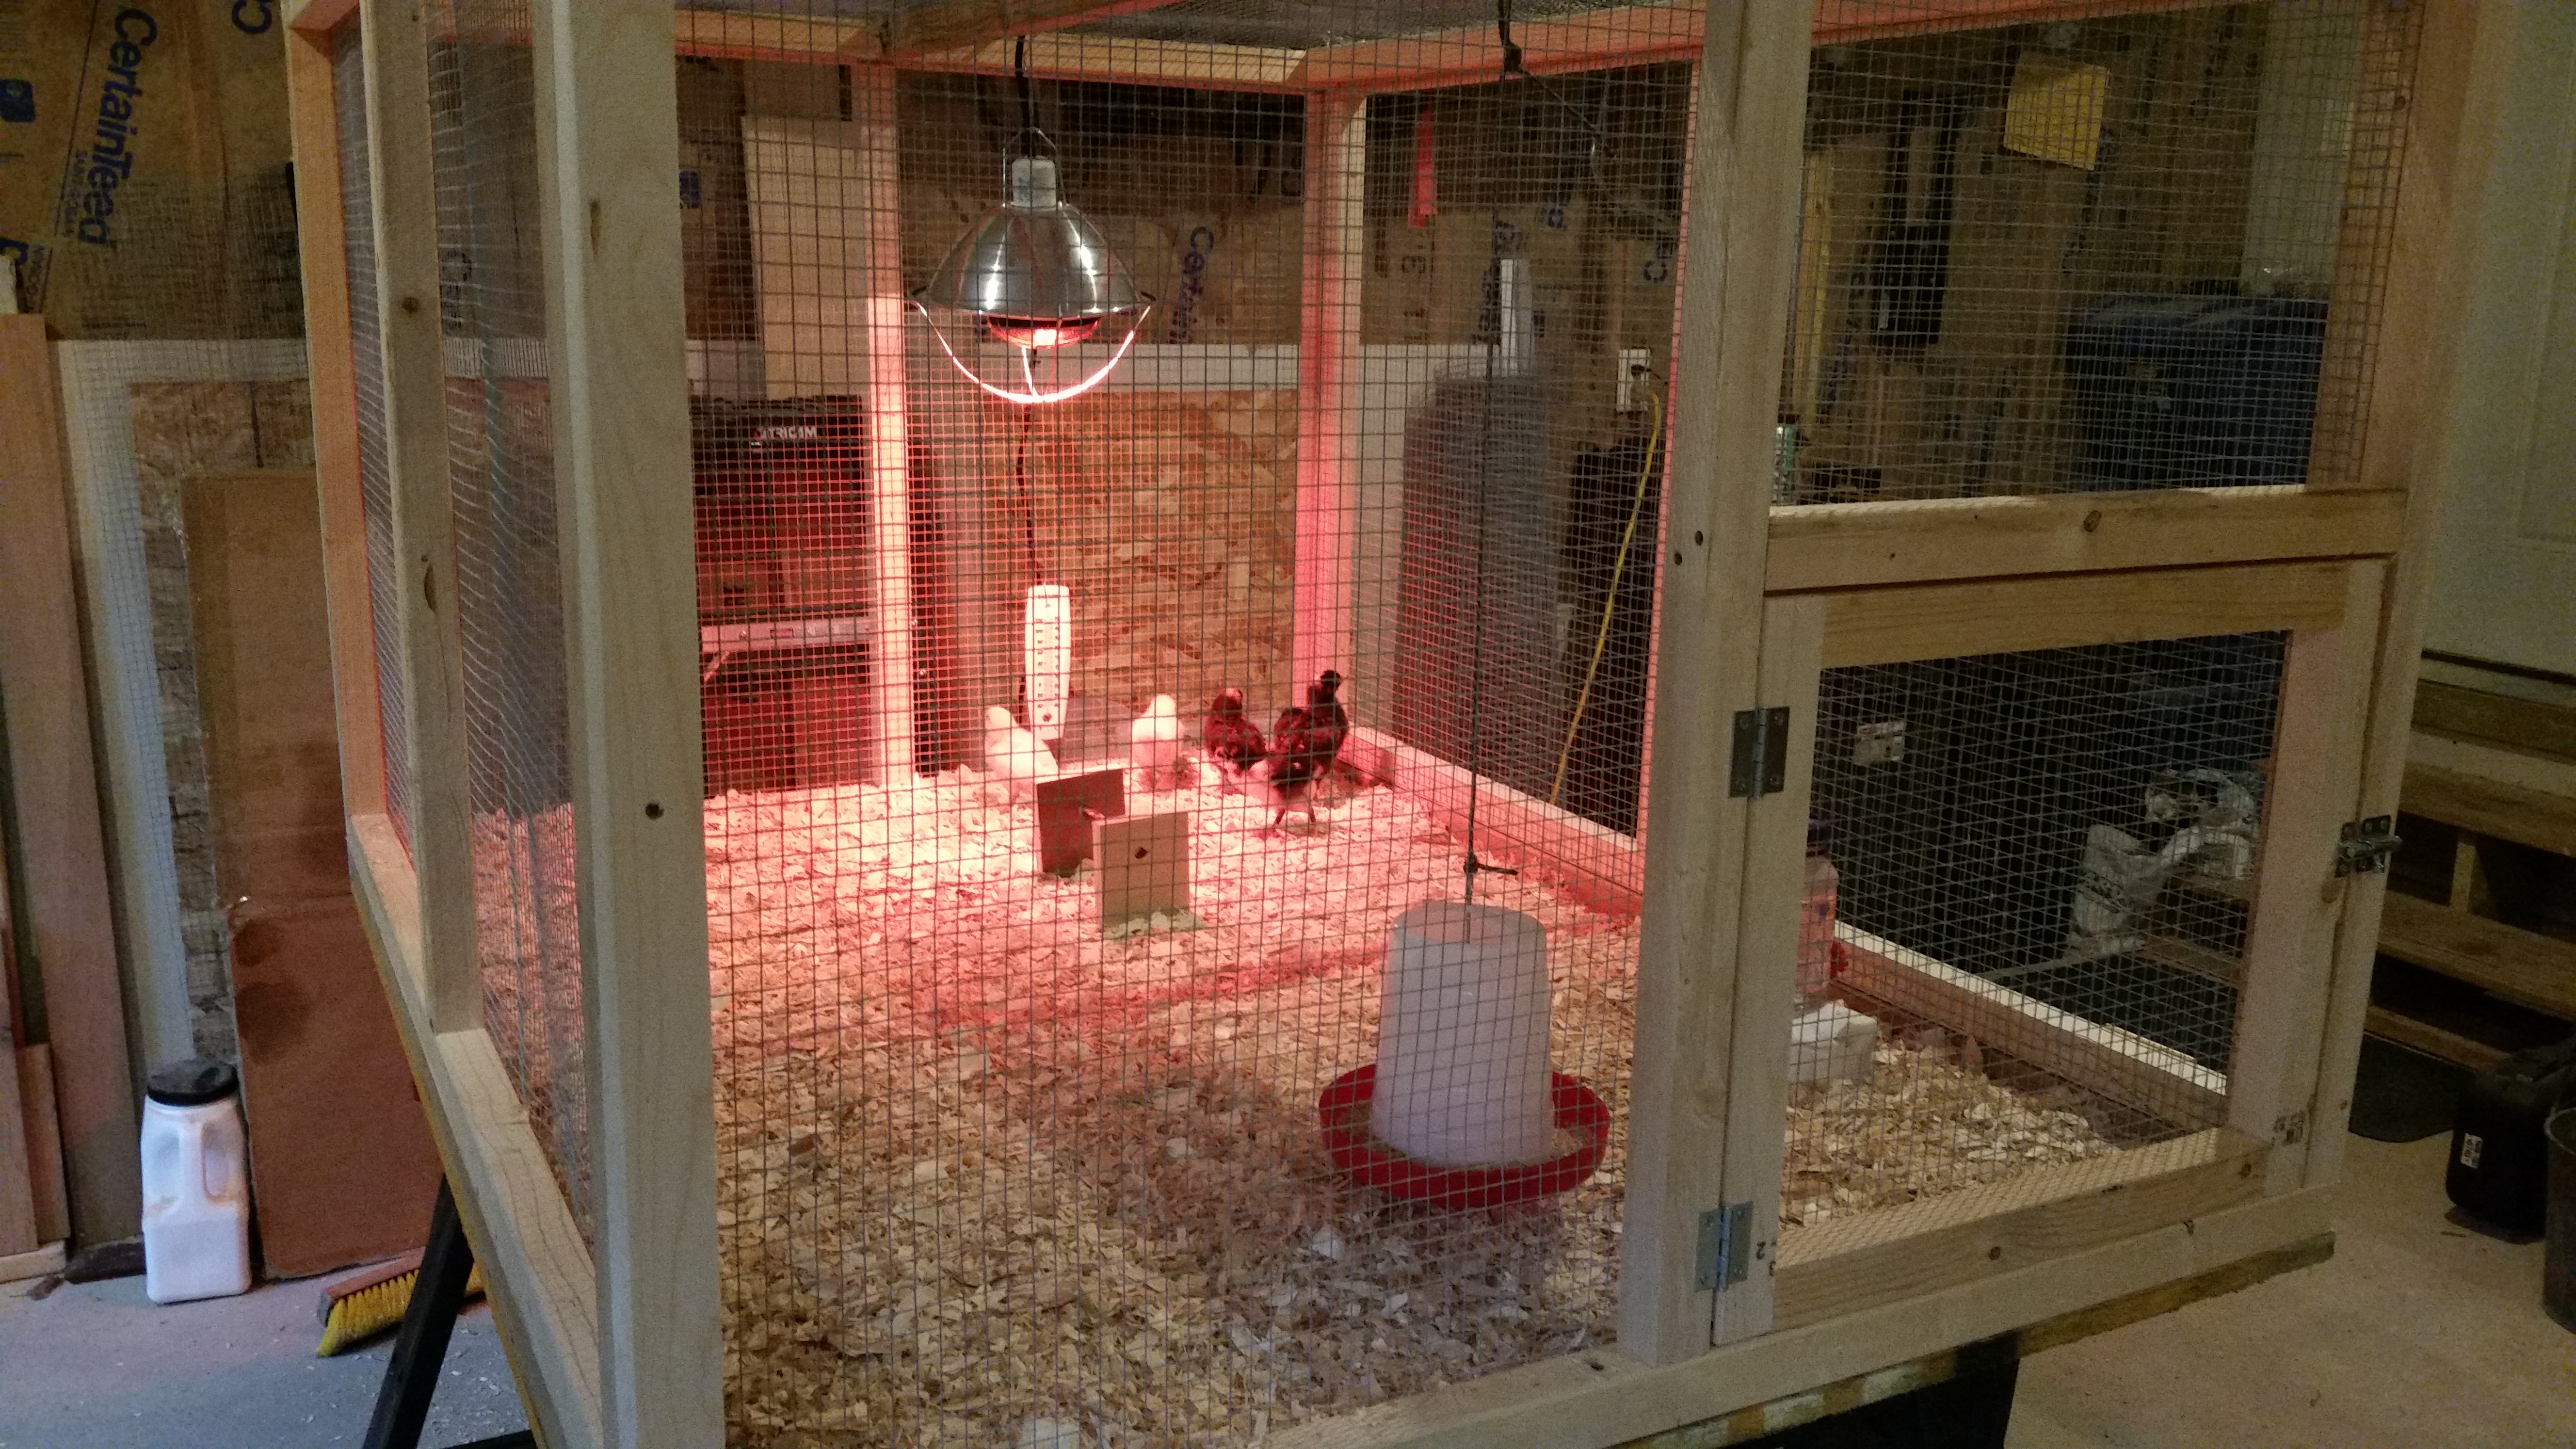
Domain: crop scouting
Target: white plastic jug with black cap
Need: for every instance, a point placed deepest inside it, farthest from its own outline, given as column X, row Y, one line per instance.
column 196, row 1184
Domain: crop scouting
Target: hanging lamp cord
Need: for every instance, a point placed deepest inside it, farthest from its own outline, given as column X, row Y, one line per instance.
column 1028, row 99
column 1610, row 603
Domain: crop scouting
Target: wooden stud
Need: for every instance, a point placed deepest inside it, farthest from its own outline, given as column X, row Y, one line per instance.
column 2431, row 1040
column 1744, row 177
column 1646, row 34
column 608, row 153
column 536, row 1269
column 1128, row 61
column 317, row 18
column 402, row 169
column 2312, row 790
column 891, row 749
column 1328, row 395
column 2501, row 810
column 1761, row 1421
column 1601, row 1398
column 313, row 117
column 1473, row 55
column 942, row 24
column 2469, row 891
column 798, row 38
column 40, row 1263
column 2108, row 1060
column 1672, row 402
column 1766, row 990
column 1598, row 866
column 2523, row 966
column 1948, row 620
column 1845, row 545
column 2451, row 110
column 17, row 1155
column 44, row 1143
column 2035, row 1215
column 70, row 926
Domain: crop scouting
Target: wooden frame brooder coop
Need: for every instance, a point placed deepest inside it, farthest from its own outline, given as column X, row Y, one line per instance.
column 858, row 1005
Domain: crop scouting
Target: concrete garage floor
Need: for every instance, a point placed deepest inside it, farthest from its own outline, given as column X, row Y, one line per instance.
column 100, row 1366
column 2419, row 1333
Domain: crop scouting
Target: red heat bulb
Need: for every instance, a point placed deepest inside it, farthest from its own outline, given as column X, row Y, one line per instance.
column 1038, row 332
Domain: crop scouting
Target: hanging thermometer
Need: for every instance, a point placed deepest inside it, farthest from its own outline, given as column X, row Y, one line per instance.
column 1049, row 649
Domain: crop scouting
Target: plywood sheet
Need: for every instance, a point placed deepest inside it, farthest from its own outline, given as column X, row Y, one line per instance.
column 341, row 1158
column 185, row 430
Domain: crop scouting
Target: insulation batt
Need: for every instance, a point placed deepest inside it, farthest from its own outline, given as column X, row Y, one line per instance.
column 1154, row 745
column 1018, row 758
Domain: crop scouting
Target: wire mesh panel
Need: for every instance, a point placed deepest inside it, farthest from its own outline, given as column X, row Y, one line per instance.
column 1173, row 731
column 2132, row 251
column 2027, row 889
column 367, row 359
column 509, row 575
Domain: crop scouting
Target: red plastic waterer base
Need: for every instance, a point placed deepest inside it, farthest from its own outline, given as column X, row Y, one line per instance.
column 1344, row 1110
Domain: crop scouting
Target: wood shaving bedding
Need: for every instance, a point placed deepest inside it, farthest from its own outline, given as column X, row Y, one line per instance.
column 986, row 1179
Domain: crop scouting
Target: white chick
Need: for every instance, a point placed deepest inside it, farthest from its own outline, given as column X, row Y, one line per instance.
column 1020, row 760
column 1154, row 745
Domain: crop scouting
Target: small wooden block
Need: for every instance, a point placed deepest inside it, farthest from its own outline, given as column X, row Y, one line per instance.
column 1144, row 867
column 1066, row 808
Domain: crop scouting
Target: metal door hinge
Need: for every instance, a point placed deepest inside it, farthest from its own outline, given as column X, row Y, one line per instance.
column 1761, row 763
column 2367, row 846
column 1725, row 1245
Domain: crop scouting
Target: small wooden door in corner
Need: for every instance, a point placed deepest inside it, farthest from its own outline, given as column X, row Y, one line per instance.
column 342, row 1166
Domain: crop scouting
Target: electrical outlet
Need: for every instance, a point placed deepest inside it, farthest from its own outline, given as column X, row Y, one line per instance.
column 1635, row 365
column 1879, row 743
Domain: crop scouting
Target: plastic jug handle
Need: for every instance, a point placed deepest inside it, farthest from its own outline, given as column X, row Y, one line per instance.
column 192, row 1157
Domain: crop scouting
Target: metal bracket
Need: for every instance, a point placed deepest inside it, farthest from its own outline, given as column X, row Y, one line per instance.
column 2367, row 846
column 1761, row 763
column 1724, row 1233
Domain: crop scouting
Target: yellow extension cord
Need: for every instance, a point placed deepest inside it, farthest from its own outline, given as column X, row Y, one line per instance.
column 1610, row 605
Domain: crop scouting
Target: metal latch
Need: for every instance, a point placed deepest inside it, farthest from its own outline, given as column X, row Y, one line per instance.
column 2367, row 846
column 1725, row 1242
column 1761, row 763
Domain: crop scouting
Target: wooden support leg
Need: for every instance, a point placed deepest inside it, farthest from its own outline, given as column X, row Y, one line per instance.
column 420, row 1350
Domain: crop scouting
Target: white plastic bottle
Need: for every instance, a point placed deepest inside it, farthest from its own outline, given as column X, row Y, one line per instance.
column 196, row 1184
column 1816, row 913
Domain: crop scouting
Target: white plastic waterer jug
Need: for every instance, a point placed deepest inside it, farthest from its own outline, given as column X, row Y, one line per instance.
column 196, row 1184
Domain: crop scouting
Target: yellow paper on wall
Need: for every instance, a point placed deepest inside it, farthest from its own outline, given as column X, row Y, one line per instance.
column 2055, row 110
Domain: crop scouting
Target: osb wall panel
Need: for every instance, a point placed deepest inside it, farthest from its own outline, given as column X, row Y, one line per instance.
column 185, row 431
column 1170, row 514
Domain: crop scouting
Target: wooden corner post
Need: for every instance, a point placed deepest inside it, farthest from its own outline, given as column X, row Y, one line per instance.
column 608, row 169
column 402, row 172
column 892, row 748
column 1739, row 265
column 2452, row 109
column 1328, row 346
column 321, row 236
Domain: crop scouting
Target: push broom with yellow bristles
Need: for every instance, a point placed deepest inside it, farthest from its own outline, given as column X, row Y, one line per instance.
column 358, row 1305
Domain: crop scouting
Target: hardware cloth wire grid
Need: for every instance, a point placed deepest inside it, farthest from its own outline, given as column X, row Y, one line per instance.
column 366, row 351
column 1019, row 1147
column 2117, row 252
column 509, row 580
column 2067, row 840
